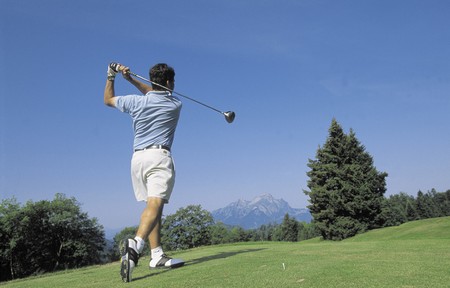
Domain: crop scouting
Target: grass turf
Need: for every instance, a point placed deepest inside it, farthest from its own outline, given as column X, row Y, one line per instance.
column 415, row 254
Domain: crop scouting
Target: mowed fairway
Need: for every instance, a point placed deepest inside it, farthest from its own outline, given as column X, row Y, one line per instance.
column 415, row 254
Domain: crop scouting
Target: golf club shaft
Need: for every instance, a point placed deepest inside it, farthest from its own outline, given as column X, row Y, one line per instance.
column 179, row 94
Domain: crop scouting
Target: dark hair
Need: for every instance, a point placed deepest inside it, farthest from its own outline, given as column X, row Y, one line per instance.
column 160, row 74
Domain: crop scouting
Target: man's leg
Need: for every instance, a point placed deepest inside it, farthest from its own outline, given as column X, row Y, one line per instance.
column 158, row 258
column 150, row 225
column 154, row 238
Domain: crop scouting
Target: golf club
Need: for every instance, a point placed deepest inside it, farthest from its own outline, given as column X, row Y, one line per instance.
column 229, row 115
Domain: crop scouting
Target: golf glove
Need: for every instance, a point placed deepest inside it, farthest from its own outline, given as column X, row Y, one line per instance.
column 112, row 70
column 111, row 73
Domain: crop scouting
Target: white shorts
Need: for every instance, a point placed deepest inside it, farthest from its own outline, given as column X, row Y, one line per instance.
column 152, row 174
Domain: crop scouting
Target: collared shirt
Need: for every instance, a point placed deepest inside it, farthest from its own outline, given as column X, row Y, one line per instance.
column 155, row 117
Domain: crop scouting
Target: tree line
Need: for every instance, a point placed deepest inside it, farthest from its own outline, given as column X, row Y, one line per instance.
column 401, row 208
column 47, row 236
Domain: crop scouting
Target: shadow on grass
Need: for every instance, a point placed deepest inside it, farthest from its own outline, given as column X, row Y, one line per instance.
column 220, row 255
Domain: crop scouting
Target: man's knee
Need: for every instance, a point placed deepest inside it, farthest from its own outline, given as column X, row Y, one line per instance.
column 155, row 203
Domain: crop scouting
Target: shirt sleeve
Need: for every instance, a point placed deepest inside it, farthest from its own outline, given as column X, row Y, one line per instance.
column 125, row 103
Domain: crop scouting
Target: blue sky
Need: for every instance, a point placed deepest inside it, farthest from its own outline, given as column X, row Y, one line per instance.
column 286, row 68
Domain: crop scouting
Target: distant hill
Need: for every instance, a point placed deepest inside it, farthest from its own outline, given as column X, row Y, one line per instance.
column 261, row 210
column 432, row 228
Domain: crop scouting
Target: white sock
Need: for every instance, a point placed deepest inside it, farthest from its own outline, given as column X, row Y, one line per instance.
column 157, row 252
column 140, row 243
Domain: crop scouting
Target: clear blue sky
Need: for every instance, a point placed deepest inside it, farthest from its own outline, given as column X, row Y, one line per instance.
column 286, row 68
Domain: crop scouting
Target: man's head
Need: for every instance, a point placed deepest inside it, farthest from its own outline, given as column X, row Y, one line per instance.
column 164, row 75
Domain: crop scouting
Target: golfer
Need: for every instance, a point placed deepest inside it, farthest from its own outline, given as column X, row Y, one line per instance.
column 155, row 117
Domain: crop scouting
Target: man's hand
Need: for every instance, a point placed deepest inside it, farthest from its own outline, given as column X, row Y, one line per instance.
column 108, row 96
column 125, row 72
column 115, row 68
column 111, row 73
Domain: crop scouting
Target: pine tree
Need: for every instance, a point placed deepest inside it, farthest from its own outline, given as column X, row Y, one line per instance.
column 346, row 190
column 289, row 229
column 411, row 212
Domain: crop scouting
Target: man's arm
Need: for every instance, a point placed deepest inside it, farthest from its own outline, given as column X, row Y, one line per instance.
column 144, row 88
column 108, row 96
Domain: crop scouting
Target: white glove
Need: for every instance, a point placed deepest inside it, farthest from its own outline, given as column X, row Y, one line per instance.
column 112, row 70
column 111, row 74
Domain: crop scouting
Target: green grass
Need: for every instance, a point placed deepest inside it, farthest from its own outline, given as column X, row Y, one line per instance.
column 416, row 254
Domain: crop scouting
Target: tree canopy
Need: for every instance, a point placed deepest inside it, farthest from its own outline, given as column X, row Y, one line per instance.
column 46, row 236
column 188, row 228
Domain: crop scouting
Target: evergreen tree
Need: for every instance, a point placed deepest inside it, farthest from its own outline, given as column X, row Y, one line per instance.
column 289, row 229
column 429, row 205
column 266, row 232
column 392, row 214
column 411, row 212
column 443, row 200
column 238, row 234
column 307, row 231
column 423, row 207
column 346, row 190
column 398, row 209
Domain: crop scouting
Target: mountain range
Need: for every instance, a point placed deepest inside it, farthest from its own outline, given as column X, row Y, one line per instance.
column 264, row 209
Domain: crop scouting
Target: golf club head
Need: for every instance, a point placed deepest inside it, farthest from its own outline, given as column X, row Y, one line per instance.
column 229, row 116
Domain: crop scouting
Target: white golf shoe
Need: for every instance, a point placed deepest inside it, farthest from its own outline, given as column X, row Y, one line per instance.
column 130, row 258
column 165, row 262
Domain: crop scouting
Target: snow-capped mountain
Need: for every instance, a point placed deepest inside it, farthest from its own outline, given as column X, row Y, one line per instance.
column 261, row 210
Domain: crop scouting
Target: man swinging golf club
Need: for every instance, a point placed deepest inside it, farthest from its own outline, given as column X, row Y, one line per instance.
column 155, row 117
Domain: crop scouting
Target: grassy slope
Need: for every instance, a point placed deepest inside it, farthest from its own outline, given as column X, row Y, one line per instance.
column 416, row 254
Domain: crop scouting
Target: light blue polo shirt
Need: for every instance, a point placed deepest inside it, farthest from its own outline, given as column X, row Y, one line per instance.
column 155, row 117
